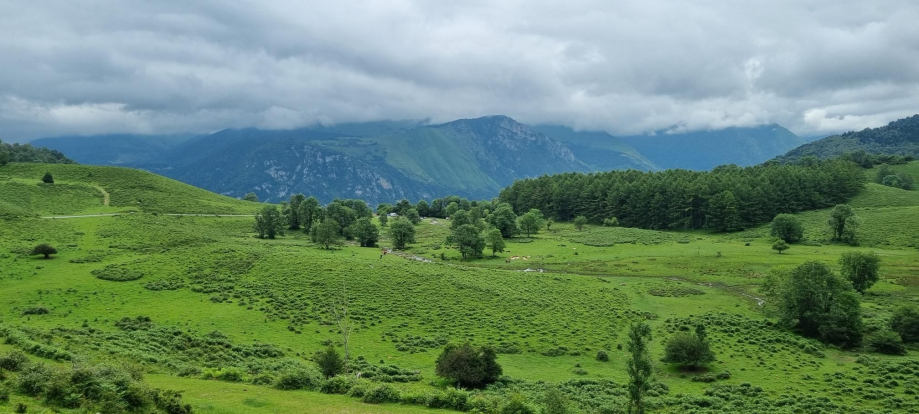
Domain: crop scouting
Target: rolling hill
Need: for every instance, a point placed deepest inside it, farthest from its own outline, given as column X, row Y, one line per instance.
column 900, row 137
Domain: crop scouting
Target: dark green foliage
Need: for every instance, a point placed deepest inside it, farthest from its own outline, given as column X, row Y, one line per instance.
column 886, row 341
column 860, row 268
column 292, row 211
column 602, row 356
column 299, row 378
column 495, row 241
column 21, row 408
column 268, row 222
column 365, row 232
column 843, row 223
column 530, row 222
column 688, row 349
column 638, row 366
column 28, row 153
column 44, row 250
column 38, row 310
column 47, row 178
column 886, row 176
column 119, row 272
column 412, row 216
column 818, row 303
column 468, row 365
column 504, row 219
column 780, row 246
column 788, row 228
column 330, row 362
column 611, row 222
column 380, row 394
column 905, row 322
column 401, row 232
column 340, row 213
column 467, row 240
column 579, row 222
column 726, row 198
column 326, row 233
column 868, row 146
column 251, row 197
column 459, row 218
column 309, row 213
column 13, row 361
column 384, row 219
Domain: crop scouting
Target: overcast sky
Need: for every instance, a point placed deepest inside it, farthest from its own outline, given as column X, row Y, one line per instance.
column 816, row 67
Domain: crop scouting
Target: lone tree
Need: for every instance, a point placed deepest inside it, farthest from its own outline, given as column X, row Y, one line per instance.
column 326, row 233
column 365, row 232
column 818, row 303
column 330, row 362
column 780, row 246
column 860, row 268
column 689, row 349
column 467, row 240
column 402, row 232
column 47, row 178
column 843, row 223
column 788, row 228
column 530, row 222
column 495, row 241
column 251, row 197
column 468, row 365
column 579, row 222
column 45, row 250
column 638, row 366
column 268, row 222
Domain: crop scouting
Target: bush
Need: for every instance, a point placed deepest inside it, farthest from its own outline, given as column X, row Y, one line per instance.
column 887, row 342
column 602, row 356
column 517, row 405
column 611, row 222
column 337, row 385
column 688, row 349
column 381, row 393
column 13, row 361
column 468, row 366
column 905, row 321
column 788, row 228
column 330, row 362
column 299, row 379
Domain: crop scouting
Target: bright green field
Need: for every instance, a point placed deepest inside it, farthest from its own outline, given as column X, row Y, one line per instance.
column 562, row 292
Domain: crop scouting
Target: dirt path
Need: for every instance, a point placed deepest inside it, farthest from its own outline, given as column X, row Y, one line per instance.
column 105, row 196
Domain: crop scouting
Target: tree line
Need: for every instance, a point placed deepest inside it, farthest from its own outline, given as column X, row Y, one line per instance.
column 27, row 153
column 727, row 198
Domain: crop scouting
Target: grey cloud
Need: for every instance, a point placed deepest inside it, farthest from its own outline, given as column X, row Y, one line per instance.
column 815, row 66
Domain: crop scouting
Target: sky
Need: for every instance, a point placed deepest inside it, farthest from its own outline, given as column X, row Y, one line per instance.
column 817, row 67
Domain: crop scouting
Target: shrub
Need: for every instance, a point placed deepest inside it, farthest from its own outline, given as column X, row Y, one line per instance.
column 905, row 321
column 579, row 222
column 13, row 361
column 299, row 379
column 337, row 385
column 688, row 349
column 602, row 356
column 611, row 222
column 381, row 393
column 780, row 246
column 330, row 362
column 787, row 227
column 516, row 405
column 887, row 342
column 468, row 366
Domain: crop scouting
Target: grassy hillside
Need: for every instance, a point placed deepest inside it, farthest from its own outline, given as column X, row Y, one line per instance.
column 900, row 137
column 221, row 301
column 81, row 189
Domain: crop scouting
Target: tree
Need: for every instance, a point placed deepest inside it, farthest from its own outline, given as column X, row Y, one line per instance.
column 843, row 223
column 531, row 222
column 460, row 218
column 268, row 222
column 4, row 157
column 780, row 246
column 555, row 402
column 326, row 233
column 293, row 214
column 611, row 222
column 495, row 241
column 638, row 366
column 467, row 240
column 788, row 228
column 310, row 212
column 468, row 365
column 549, row 222
column 47, row 178
column 886, row 341
column 384, row 219
column 402, row 232
column 689, row 349
column 251, row 197
column 44, row 249
column 723, row 214
column 504, row 219
column 860, row 268
column 451, row 208
column 412, row 216
column 579, row 222
column 330, row 362
column 365, row 232
column 817, row 303
column 341, row 214
column 905, row 321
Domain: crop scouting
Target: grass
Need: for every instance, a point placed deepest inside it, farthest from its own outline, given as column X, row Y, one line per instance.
column 549, row 303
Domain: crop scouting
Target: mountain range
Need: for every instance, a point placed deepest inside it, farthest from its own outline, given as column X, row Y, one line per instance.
column 391, row 160
column 900, row 137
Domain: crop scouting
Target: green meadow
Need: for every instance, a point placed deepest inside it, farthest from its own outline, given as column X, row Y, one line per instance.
column 228, row 311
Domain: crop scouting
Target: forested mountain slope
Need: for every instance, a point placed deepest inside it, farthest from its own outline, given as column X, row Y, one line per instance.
column 899, row 137
column 29, row 153
column 704, row 150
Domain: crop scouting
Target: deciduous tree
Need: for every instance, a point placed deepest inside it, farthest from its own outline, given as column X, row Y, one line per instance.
column 401, row 232
column 860, row 268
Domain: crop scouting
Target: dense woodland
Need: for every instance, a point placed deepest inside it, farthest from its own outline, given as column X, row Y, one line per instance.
column 27, row 153
column 724, row 199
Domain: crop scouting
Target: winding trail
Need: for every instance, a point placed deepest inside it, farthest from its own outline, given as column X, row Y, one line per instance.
column 105, row 196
